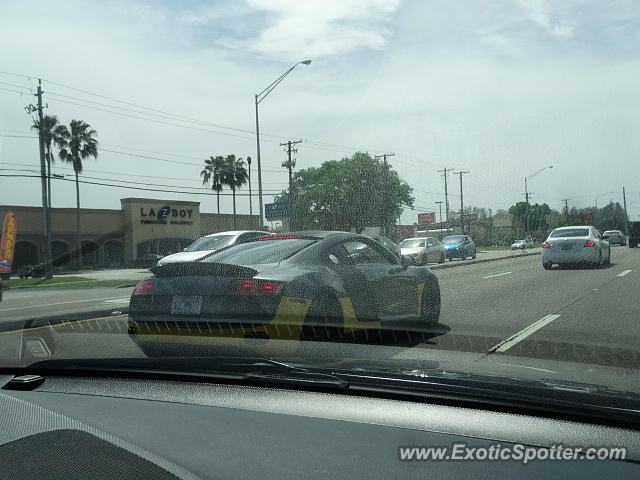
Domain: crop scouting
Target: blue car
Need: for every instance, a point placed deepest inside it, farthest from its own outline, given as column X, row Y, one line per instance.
column 459, row 246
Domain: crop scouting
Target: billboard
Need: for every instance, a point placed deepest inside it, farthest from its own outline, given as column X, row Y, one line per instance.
column 8, row 243
column 428, row 217
column 276, row 211
column 402, row 231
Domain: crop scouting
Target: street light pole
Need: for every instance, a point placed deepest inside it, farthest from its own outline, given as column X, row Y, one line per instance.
column 258, row 98
column 527, row 194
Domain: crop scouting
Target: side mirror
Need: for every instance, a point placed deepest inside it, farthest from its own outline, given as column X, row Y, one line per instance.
column 407, row 261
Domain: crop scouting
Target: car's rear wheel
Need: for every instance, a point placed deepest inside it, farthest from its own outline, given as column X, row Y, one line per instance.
column 442, row 258
column 325, row 310
column 430, row 311
column 473, row 257
column 547, row 265
column 607, row 262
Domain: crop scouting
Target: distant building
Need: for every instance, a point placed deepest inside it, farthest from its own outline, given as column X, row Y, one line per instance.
column 115, row 237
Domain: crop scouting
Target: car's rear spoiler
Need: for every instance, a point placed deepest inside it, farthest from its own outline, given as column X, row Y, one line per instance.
column 200, row 269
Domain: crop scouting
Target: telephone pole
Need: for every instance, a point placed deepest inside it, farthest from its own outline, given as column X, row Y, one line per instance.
column 46, row 216
column 626, row 215
column 461, row 200
column 566, row 209
column 445, row 173
column 290, row 164
column 385, row 188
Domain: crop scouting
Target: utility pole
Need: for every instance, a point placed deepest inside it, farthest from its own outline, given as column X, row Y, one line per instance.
column 626, row 215
column 385, row 195
column 290, row 164
column 461, row 201
column 445, row 173
column 566, row 209
column 440, row 205
column 46, row 216
column 250, row 199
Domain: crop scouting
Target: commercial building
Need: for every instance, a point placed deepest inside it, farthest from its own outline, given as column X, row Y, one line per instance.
column 116, row 237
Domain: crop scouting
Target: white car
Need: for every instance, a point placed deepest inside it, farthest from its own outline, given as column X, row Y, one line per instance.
column 579, row 245
column 521, row 244
column 211, row 243
column 423, row 250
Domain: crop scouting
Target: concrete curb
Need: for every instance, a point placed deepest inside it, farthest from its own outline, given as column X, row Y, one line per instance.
column 481, row 260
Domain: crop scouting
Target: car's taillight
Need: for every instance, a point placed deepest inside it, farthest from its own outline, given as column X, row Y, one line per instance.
column 589, row 243
column 545, row 245
column 143, row 288
column 253, row 287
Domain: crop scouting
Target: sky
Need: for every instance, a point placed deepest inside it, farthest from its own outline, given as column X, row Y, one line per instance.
column 498, row 88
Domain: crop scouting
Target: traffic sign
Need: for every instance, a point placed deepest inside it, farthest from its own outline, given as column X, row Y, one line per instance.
column 276, row 211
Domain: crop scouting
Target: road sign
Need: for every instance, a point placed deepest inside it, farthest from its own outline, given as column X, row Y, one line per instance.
column 403, row 231
column 428, row 217
column 276, row 211
column 470, row 217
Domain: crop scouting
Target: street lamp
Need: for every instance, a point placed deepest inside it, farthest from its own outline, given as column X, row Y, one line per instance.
column 526, row 193
column 258, row 98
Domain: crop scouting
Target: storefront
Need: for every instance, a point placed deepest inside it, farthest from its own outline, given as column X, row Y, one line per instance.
column 116, row 237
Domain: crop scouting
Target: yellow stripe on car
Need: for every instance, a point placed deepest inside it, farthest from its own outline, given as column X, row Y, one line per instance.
column 350, row 319
column 420, row 293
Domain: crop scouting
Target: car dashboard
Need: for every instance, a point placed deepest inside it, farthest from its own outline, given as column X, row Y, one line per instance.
column 106, row 428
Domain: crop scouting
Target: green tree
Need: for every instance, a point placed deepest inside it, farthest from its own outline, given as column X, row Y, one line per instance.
column 235, row 176
column 536, row 216
column 351, row 193
column 212, row 173
column 52, row 134
column 77, row 143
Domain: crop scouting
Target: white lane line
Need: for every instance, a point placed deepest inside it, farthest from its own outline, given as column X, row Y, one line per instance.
column 522, row 334
column 624, row 273
column 58, row 303
column 118, row 300
column 498, row 275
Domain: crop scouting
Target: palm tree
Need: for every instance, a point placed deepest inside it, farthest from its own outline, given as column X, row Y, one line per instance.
column 235, row 176
column 212, row 172
column 52, row 133
column 77, row 144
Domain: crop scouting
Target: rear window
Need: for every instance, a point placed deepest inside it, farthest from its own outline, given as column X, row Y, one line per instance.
column 570, row 232
column 271, row 250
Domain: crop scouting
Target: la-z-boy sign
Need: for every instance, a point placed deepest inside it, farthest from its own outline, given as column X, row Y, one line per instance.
column 166, row 216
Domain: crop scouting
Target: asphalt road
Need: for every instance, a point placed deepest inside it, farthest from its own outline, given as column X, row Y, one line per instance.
column 511, row 308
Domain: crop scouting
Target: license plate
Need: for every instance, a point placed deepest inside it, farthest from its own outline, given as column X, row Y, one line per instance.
column 566, row 247
column 183, row 305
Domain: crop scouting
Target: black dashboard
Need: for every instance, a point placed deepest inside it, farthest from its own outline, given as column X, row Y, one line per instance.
column 107, row 428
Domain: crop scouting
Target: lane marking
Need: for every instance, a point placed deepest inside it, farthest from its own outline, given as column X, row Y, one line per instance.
column 624, row 273
column 498, row 275
column 522, row 334
column 58, row 303
column 118, row 300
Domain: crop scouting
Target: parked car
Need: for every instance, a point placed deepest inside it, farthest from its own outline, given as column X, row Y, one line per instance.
column 615, row 237
column 459, row 246
column 579, row 245
column 423, row 250
column 27, row 271
column 211, row 243
column 634, row 234
column 387, row 243
column 522, row 244
column 320, row 275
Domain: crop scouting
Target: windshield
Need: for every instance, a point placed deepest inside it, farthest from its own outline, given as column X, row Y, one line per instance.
column 431, row 177
column 260, row 251
column 413, row 243
column 571, row 232
column 454, row 239
column 210, row 243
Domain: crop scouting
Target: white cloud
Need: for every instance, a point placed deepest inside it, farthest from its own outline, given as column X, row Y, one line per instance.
column 319, row 28
column 539, row 13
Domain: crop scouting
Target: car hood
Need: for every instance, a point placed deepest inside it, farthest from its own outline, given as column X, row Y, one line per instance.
column 184, row 257
column 412, row 250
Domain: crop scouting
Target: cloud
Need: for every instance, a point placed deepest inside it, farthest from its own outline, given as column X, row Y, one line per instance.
column 319, row 28
column 539, row 13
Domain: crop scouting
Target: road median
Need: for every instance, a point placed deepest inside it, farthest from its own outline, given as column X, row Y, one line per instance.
column 453, row 264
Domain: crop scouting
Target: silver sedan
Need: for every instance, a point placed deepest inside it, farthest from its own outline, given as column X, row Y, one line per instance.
column 423, row 250
column 580, row 245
